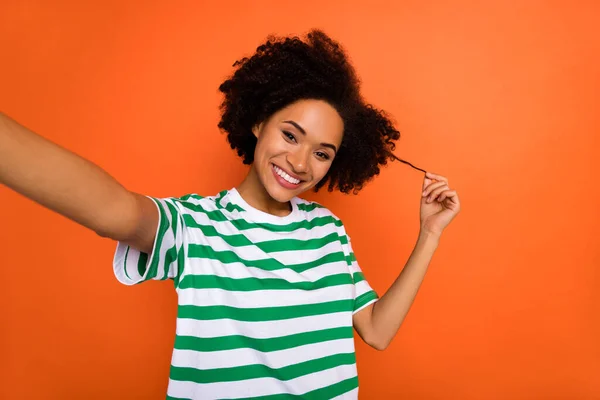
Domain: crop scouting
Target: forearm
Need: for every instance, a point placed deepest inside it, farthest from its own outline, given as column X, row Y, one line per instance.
column 391, row 309
column 61, row 180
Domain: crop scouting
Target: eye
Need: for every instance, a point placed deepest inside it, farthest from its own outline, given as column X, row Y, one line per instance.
column 289, row 136
column 321, row 155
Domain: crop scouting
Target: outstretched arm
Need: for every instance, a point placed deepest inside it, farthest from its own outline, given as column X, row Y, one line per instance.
column 74, row 187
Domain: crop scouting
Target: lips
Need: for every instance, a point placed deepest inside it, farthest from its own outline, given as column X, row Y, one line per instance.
column 284, row 178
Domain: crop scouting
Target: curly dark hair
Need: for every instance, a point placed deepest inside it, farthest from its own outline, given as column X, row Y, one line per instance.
column 285, row 70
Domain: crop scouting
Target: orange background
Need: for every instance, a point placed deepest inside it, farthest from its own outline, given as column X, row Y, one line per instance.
column 501, row 97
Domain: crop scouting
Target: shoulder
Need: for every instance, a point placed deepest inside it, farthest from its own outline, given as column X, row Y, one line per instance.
column 312, row 210
column 192, row 202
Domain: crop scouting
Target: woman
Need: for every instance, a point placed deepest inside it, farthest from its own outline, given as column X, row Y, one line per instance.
column 269, row 290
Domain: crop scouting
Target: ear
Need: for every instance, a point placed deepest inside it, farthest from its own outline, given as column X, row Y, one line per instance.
column 256, row 129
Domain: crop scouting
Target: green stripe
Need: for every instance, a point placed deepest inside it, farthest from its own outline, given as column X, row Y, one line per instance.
column 219, row 197
column 270, row 264
column 236, row 240
column 230, row 206
column 142, row 264
column 174, row 253
column 162, row 229
column 233, row 207
column 240, row 224
column 269, row 246
column 326, row 393
column 174, row 216
column 189, row 196
column 358, row 277
column 171, row 254
column 263, row 345
column 308, row 207
column 350, row 259
column 180, row 265
column 217, row 215
column 263, row 313
column 297, row 244
column 261, row 371
column 125, row 262
column 250, row 284
column 364, row 299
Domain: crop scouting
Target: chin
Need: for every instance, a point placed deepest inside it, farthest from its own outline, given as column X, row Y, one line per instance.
column 283, row 195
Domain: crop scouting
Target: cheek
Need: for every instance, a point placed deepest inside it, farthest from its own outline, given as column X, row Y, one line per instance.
column 268, row 145
column 320, row 169
column 259, row 150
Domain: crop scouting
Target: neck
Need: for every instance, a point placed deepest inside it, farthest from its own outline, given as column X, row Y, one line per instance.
column 254, row 193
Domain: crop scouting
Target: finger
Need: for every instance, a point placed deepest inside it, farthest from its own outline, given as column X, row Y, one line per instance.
column 431, row 175
column 443, row 195
column 450, row 195
column 434, row 194
column 433, row 186
column 426, row 182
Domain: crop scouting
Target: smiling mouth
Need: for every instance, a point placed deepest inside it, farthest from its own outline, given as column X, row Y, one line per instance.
column 285, row 176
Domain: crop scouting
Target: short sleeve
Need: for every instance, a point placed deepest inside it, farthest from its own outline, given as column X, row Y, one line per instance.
column 363, row 293
column 132, row 266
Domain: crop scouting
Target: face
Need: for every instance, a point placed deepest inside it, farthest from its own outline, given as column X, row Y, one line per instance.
column 296, row 146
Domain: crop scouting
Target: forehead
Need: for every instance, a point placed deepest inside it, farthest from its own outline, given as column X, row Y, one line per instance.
column 318, row 118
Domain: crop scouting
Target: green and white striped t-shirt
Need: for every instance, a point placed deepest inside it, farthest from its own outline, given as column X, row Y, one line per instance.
column 265, row 303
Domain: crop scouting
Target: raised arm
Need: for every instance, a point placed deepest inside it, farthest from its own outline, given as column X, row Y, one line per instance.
column 378, row 323
column 74, row 187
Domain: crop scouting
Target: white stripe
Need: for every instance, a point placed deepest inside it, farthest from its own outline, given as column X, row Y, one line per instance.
column 124, row 263
column 351, row 395
column 265, row 235
column 261, row 329
column 200, row 266
column 209, row 204
column 246, row 356
column 264, row 298
column 258, row 234
column 362, row 287
column 251, row 252
column 169, row 240
column 260, row 386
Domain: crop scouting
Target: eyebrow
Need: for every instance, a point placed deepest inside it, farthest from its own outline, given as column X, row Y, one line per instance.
column 295, row 124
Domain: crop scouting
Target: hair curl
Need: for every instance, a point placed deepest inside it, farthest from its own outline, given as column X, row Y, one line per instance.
column 285, row 70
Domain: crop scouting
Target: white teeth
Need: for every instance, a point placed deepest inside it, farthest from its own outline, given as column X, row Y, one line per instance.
column 285, row 176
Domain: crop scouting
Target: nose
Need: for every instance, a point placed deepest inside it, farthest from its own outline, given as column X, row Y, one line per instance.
column 298, row 160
